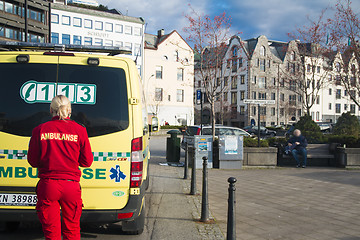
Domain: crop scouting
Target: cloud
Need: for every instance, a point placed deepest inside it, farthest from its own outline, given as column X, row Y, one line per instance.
column 158, row 14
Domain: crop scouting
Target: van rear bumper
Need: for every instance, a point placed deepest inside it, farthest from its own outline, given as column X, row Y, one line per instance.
column 95, row 216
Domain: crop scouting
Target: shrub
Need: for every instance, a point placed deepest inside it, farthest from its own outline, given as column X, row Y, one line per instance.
column 348, row 140
column 273, row 142
column 309, row 129
column 347, row 124
column 253, row 142
column 171, row 127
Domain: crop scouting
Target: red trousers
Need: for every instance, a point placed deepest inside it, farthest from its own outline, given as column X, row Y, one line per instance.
column 53, row 194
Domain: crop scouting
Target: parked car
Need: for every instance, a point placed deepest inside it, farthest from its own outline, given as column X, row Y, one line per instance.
column 219, row 130
column 325, row 126
column 264, row 132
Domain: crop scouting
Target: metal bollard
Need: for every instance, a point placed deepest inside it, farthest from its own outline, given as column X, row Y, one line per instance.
column 231, row 222
column 205, row 201
column 193, row 178
column 186, row 165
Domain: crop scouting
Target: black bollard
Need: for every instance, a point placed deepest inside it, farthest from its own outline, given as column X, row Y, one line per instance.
column 193, row 178
column 231, row 222
column 205, row 201
column 186, row 165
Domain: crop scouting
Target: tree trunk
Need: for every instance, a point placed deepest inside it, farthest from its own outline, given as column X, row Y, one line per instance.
column 213, row 119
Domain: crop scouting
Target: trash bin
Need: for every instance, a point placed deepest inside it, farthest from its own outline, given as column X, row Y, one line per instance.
column 173, row 146
column 340, row 155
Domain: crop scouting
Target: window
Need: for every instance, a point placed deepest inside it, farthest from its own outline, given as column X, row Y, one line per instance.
column 137, row 31
column 234, row 65
column 330, row 91
column 65, row 39
column 108, row 43
column 330, row 105
column 234, row 98
column 176, row 56
column 98, row 25
column 87, row 41
column 242, row 110
column 225, row 96
column 242, row 79
column 262, row 96
column 345, row 107
column 345, row 93
column 180, row 74
column 338, row 108
column 269, row 64
column 317, row 116
column 137, row 50
column 299, row 112
column 263, row 111
column 226, row 81
column 308, row 68
column 240, row 62
column 88, row 23
column 253, row 95
column 318, row 69
column 8, row 7
column 234, row 52
column 119, row 28
column 337, row 67
column 352, row 108
column 329, row 78
column 254, row 80
column 77, row 40
column 282, row 97
column 262, row 65
column 282, row 111
column 338, row 93
column 54, row 37
column 98, row 42
column 292, row 99
column 242, row 95
column 118, row 44
column 262, row 51
column 108, row 27
column 128, row 30
column 77, row 22
column 253, row 110
column 234, row 82
column 282, row 82
column 274, row 81
column 317, row 100
column 292, row 56
column 273, row 111
column 180, row 95
column 159, row 72
column 273, row 96
column 55, row 18
column 169, row 98
column 2, row 5
column 262, row 82
column 66, row 20
column 228, row 63
column 158, row 94
column 128, row 46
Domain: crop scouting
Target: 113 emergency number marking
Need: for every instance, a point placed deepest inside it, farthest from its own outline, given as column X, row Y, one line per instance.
column 43, row 92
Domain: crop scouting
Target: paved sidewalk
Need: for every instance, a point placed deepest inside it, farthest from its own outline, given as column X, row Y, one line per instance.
column 289, row 203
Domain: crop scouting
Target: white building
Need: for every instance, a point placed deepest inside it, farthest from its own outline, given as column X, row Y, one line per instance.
column 82, row 26
column 169, row 78
column 85, row 2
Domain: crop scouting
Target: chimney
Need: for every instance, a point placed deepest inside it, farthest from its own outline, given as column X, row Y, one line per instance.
column 161, row 33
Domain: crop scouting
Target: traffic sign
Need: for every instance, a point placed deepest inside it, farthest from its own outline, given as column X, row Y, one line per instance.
column 260, row 102
column 198, row 96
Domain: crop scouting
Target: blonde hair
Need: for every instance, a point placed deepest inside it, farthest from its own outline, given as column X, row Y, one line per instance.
column 60, row 106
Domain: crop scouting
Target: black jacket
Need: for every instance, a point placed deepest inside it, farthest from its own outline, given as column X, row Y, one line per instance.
column 301, row 139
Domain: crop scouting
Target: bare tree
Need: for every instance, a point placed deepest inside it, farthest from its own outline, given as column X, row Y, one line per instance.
column 209, row 36
column 307, row 69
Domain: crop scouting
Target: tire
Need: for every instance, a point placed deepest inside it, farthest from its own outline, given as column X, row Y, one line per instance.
column 135, row 227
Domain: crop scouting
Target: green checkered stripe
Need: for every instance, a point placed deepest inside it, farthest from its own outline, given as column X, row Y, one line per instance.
column 102, row 156
column 14, row 154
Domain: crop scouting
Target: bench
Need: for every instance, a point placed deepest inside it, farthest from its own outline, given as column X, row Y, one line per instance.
column 317, row 155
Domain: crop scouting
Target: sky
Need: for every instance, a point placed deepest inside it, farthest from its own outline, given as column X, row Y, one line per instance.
column 252, row 18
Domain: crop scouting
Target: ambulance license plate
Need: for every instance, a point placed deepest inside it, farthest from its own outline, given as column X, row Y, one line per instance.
column 14, row 199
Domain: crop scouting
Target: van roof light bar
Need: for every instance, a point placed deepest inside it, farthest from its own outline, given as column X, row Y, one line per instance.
column 16, row 46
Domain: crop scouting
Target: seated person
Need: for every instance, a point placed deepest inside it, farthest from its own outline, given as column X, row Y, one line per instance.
column 298, row 145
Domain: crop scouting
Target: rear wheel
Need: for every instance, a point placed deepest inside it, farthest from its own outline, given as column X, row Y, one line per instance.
column 136, row 226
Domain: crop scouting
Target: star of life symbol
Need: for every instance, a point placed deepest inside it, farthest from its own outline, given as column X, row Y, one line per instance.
column 117, row 174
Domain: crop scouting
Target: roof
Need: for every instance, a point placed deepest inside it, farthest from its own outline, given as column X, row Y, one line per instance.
column 153, row 41
column 113, row 14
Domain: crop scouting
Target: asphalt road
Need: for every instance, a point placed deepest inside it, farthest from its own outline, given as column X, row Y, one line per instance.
column 157, row 226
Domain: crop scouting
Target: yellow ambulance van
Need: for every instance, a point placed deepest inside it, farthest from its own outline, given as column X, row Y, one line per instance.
column 107, row 98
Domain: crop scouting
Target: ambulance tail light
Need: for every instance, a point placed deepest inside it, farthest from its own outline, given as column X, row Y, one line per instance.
column 125, row 215
column 136, row 162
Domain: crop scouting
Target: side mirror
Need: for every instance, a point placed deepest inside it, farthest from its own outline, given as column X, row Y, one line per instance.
column 154, row 124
